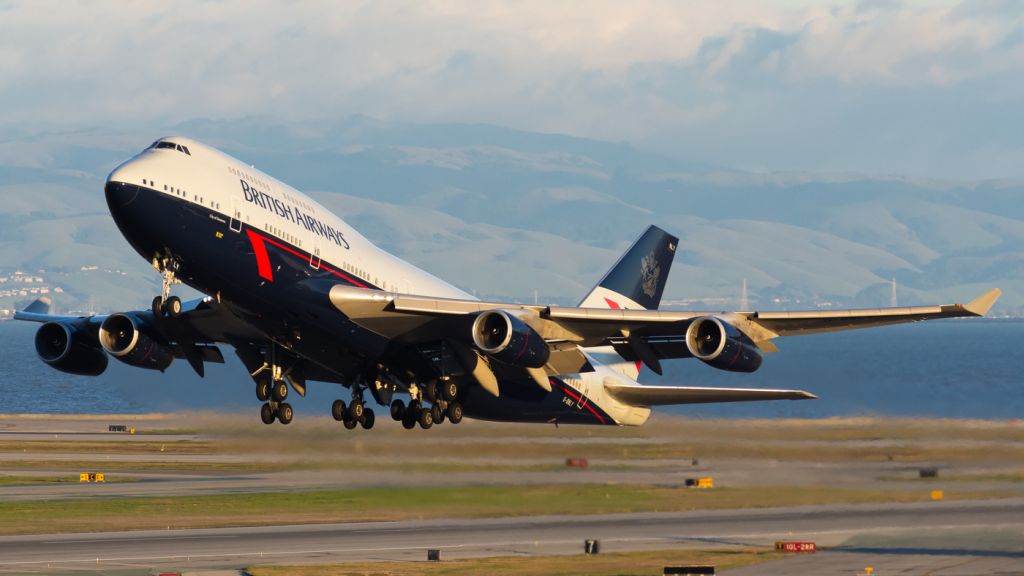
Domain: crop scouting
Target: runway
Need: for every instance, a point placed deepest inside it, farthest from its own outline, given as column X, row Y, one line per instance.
column 982, row 537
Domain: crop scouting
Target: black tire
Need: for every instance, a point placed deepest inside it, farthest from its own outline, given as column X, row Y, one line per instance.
column 455, row 412
column 356, row 411
column 263, row 390
column 431, row 390
column 397, row 410
column 450, row 390
column 437, row 414
column 426, row 419
column 280, row 390
column 173, row 306
column 350, row 424
column 267, row 414
column 158, row 306
column 285, row 413
column 368, row 419
column 338, row 410
column 408, row 423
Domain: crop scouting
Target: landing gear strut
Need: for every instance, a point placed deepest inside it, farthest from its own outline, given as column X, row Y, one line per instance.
column 165, row 304
column 355, row 413
column 271, row 389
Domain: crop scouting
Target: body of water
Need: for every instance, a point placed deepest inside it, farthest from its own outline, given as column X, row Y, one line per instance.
column 949, row 368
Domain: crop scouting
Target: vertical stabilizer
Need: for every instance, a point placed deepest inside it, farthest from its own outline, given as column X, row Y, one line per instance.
column 635, row 282
column 638, row 279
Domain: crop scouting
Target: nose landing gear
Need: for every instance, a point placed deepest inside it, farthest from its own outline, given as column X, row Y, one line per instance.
column 165, row 304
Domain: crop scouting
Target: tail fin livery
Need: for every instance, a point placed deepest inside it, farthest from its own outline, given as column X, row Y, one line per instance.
column 638, row 279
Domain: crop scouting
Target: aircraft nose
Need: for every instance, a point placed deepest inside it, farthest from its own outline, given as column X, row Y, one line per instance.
column 120, row 188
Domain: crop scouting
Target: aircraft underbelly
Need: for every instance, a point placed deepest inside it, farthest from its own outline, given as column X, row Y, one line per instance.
column 524, row 402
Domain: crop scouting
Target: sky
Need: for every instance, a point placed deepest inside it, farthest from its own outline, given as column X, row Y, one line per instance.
column 929, row 89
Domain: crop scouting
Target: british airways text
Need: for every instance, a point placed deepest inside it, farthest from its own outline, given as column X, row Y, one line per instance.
column 291, row 213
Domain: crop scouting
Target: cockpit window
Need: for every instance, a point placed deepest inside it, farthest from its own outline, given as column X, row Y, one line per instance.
column 170, row 145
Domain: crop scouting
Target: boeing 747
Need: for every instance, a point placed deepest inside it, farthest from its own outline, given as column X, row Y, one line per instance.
column 301, row 296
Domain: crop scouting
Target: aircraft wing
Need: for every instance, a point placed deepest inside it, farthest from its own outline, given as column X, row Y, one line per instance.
column 413, row 318
column 640, row 395
column 202, row 323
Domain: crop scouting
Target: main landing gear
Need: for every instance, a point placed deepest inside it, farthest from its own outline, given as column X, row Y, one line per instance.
column 165, row 304
column 280, row 411
column 354, row 414
column 444, row 405
column 272, row 390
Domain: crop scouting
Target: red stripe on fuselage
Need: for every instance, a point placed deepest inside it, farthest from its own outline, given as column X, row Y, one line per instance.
column 579, row 400
column 259, row 248
column 261, row 251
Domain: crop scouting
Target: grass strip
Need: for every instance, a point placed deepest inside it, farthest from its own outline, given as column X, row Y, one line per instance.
column 620, row 564
column 411, row 503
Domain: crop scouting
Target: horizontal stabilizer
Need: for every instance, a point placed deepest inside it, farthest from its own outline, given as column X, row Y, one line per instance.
column 640, row 395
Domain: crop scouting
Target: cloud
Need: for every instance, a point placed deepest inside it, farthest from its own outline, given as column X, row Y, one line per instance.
column 871, row 86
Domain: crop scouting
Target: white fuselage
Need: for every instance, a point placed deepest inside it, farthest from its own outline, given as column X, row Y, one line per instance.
column 236, row 191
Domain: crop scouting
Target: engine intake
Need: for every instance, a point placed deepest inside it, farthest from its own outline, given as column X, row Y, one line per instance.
column 122, row 336
column 722, row 345
column 505, row 337
column 68, row 348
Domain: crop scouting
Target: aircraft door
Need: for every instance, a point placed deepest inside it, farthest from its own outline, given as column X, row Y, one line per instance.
column 235, row 223
column 581, row 403
column 314, row 255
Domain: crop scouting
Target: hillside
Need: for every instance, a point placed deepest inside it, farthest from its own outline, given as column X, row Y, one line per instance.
column 506, row 213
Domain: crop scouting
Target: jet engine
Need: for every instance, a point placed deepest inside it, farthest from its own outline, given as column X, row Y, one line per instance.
column 505, row 337
column 722, row 345
column 70, row 348
column 124, row 337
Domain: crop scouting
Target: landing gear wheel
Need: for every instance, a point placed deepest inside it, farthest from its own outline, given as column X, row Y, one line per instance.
column 350, row 423
column 437, row 414
column 408, row 423
column 280, row 390
column 285, row 413
column 158, row 306
column 173, row 306
column 267, row 414
column 455, row 412
column 368, row 419
column 450, row 390
column 426, row 419
column 338, row 410
column 397, row 410
column 263, row 390
column 431, row 390
column 356, row 411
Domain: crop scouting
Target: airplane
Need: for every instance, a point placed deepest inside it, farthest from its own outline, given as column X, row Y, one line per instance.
column 301, row 296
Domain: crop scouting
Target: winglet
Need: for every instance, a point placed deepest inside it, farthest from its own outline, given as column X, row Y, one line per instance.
column 983, row 303
column 39, row 306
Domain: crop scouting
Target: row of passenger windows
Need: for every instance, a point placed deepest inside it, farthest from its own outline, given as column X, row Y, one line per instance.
column 283, row 235
column 250, row 179
column 263, row 185
column 182, row 193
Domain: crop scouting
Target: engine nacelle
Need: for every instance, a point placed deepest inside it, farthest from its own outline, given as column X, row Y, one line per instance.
column 121, row 335
column 722, row 345
column 505, row 337
column 69, row 348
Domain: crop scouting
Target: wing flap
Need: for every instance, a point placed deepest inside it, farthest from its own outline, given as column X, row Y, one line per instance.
column 640, row 395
